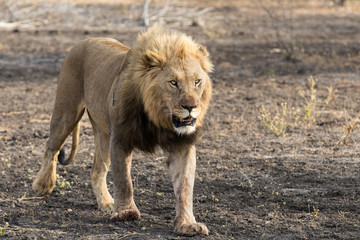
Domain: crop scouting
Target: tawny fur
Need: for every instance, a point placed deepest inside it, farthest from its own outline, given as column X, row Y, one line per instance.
column 133, row 98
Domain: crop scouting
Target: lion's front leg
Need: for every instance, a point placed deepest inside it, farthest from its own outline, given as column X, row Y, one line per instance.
column 124, row 205
column 182, row 172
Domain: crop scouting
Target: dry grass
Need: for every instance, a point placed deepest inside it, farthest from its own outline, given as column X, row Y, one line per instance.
column 349, row 128
column 280, row 119
column 278, row 123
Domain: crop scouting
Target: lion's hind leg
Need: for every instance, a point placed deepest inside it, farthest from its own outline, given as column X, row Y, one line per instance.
column 60, row 128
column 46, row 178
column 100, row 169
column 68, row 111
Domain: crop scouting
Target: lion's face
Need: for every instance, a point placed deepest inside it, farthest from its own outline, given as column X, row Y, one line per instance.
column 183, row 95
column 170, row 72
column 178, row 95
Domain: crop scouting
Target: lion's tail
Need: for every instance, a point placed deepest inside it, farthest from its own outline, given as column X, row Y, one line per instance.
column 74, row 147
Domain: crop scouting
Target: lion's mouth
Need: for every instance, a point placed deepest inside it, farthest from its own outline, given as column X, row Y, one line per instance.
column 188, row 121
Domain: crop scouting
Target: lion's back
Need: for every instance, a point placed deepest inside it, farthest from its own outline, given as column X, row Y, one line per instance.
column 89, row 71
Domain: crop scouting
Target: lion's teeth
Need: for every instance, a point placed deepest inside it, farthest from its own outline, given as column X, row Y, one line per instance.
column 188, row 118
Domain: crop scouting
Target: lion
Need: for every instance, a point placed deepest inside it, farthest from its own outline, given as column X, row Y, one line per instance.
column 154, row 95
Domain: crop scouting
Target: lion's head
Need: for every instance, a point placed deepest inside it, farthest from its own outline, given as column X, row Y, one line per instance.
column 171, row 71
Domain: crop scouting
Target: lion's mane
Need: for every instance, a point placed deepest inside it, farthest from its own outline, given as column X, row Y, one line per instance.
column 143, row 123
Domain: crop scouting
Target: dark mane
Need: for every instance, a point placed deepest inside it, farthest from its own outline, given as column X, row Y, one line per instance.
column 135, row 130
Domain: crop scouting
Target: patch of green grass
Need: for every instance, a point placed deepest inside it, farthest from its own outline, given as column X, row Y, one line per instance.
column 271, row 72
column 62, row 184
column 3, row 229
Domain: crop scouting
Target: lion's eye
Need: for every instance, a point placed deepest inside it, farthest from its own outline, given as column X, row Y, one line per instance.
column 197, row 82
column 173, row 83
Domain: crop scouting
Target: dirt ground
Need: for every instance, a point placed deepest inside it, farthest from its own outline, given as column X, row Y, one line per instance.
column 250, row 183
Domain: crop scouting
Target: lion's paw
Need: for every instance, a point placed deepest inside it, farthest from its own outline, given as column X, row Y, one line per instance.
column 106, row 206
column 44, row 185
column 192, row 229
column 126, row 215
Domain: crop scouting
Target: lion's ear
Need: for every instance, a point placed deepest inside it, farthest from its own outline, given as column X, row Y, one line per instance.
column 152, row 59
column 205, row 59
column 203, row 51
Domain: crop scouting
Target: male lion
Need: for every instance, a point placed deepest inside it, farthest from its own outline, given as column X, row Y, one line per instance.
column 153, row 95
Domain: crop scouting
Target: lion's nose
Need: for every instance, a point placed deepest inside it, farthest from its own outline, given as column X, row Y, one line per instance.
column 189, row 108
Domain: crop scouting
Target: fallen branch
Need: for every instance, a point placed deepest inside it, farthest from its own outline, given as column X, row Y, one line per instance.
column 24, row 198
